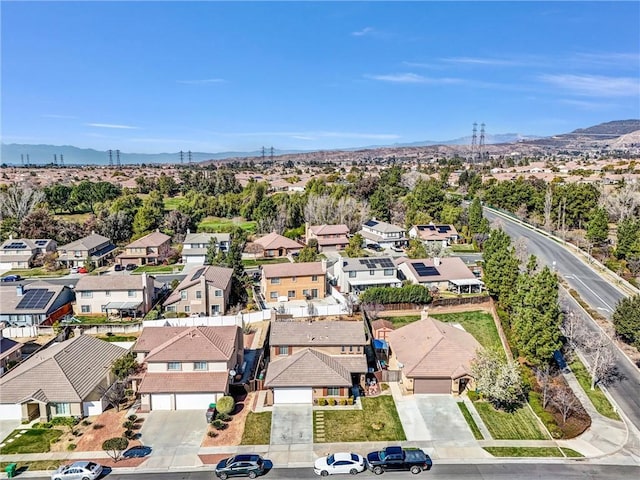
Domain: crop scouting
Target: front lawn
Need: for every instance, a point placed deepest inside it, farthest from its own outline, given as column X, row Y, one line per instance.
column 378, row 421
column 597, row 396
column 158, row 269
column 463, row 247
column 478, row 323
column 532, row 452
column 257, row 429
column 34, row 465
column 249, row 262
column 521, row 424
column 470, row 421
column 32, row 441
column 37, row 272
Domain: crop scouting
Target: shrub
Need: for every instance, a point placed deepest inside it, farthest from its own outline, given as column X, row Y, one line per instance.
column 132, row 418
column 350, row 401
column 129, row 434
column 473, row 396
column 331, row 401
column 225, row 405
column 128, row 424
column 342, row 401
column 97, row 426
column 71, row 446
column 223, row 416
column 322, row 402
column 86, row 423
column 219, row 424
column 212, row 434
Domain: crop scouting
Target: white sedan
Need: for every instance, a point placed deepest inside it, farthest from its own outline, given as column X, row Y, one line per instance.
column 78, row 471
column 339, row 463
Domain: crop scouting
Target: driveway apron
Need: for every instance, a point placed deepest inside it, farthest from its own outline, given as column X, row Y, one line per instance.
column 443, row 419
column 175, row 437
column 292, row 425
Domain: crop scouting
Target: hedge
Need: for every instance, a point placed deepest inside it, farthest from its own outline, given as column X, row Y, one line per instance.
column 408, row 294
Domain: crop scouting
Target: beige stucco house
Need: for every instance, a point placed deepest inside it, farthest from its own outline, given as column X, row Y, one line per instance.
column 204, row 291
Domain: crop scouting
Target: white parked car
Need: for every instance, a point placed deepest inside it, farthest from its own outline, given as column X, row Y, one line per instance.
column 341, row 462
column 77, row 471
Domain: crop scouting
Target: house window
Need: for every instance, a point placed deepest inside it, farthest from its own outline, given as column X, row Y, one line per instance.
column 283, row 350
column 131, row 293
column 187, row 308
column 215, row 309
column 352, row 274
column 107, row 293
column 183, row 295
column 85, row 309
column 314, row 293
column 174, row 366
column 275, row 281
column 291, row 294
column 273, row 295
column 198, row 294
column 62, row 408
column 388, row 272
column 200, row 366
column 218, row 293
column 314, row 278
column 333, row 391
column 171, row 308
column 86, row 294
column 372, row 272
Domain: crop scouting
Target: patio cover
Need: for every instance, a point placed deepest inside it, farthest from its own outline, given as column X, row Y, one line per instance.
column 467, row 281
column 122, row 305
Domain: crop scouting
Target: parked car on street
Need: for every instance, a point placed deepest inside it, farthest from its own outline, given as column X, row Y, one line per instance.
column 82, row 270
column 341, row 462
column 12, row 278
column 77, row 471
column 247, row 465
column 131, row 266
column 398, row 458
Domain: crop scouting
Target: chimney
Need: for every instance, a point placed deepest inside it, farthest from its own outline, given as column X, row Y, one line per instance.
column 19, row 290
column 436, row 261
column 324, row 265
column 188, row 231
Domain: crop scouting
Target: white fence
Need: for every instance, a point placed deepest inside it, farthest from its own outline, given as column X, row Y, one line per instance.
column 317, row 310
column 225, row 320
column 20, row 332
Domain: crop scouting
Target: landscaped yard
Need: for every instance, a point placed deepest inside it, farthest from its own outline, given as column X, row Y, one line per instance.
column 521, row 424
column 257, row 429
column 532, row 452
column 172, row 203
column 596, row 396
column 34, row 466
column 378, row 421
column 478, row 323
column 462, row 247
column 31, row 441
column 470, row 421
column 100, row 319
column 217, row 224
column 37, row 272
column 402, row 320
column 158, row 269
column 248, row 262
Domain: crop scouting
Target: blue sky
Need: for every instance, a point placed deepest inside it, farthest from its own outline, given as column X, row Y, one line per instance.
column 208, row 76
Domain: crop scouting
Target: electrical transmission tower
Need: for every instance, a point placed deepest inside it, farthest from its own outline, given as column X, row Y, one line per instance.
column 22, row 159
column 118, row 158
column 189, row 156
column 474, row 142
column 181, row 156
column 111, row 158
column 481, row 145
column 263, row 153
column 61, row 160
column 271, row 154
column 55, row 159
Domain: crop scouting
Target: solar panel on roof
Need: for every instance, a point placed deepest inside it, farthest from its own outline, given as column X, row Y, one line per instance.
column 424, row 271
column 41, row 242
column 15, row 246
column 371, row 223
column 364, row 262
column 35, row 299
column 197, row 274
column 443, row 229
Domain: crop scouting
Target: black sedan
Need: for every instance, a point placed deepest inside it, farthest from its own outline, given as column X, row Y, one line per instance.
column 247, row 465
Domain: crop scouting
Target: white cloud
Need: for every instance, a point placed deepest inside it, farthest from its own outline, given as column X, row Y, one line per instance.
column 621, row 60
column 204, row 81
column 55, row 115
column 484, row 61
column 585, row 104
column 412, row 78
column 312, row 135
column 302, row 137
column 112, row 125
column 595, row 85
column 363, row 32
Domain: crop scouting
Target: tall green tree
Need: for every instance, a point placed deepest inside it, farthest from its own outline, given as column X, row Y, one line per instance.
column 628, row 237
column 307, row 254
column 598, row 227
column 626, row 320
column 150, row 215
column 475, row 216
column 354, row 249
column 500, row 266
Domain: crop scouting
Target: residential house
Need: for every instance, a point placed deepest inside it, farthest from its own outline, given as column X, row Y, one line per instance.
column 96, row 248
column 151, row 249
column 311, row 360
column 435, row 235
column 376, row 232
column 204, row 291
column 187, row 368
column 281, row 282
column 120, row 295
column 273, row 246
column 195, row 246
column 354, row 275
column 10, row 352
column 21, row 252
column 433, row 356
column 330, row 238
column 66, row 379
column 33, row 304
column 445, row 274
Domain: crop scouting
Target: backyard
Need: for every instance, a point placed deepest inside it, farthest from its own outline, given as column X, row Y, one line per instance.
column 217, row 224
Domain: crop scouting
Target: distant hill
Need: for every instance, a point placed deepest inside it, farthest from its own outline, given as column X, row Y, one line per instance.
column 610, row 129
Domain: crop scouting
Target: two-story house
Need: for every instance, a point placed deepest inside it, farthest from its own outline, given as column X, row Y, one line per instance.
column 187, row 368
column 38, row 303
column 376, row 232
column 21, row 252
column 195, row 246
column 273, row 245
column 311, row 360
column 435, row 235
column 293, row 281
column 151, row 249
column 96, row 248
column 121, row 295
column 204, row 291
column 354, row 275
column 330, row 238
column 10, row 351
column 445, row 274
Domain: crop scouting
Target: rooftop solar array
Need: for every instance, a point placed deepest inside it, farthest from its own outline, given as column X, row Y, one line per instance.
column 377, row 263
column 15, row 246
column 371, row 223
column 40, row 243
column 35, row 299
column 425, row 271
column 433, row 228
column 197, row 274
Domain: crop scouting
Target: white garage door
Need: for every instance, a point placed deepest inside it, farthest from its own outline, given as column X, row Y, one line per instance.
column 194, row 401
column 92, row 408
column 161, row 401
column 10, row 411
column 292, row 395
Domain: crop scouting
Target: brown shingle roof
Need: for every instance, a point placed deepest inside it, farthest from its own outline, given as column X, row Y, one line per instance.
column 430, row 348
column 328, row 333
column 154, row 239
column 109, row 283
column 219, row 277
column 65, row 372
column 450, row 268
column 187, row 382
column 86, row 243
column 292, row 269
column 187, row 343
column 274, row 240
column 329, row 229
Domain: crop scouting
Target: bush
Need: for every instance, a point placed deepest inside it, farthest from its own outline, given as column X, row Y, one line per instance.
column 473, row 396
column 219, row 424
column 322, row 402
column 128, row 425
column 223, row 416
column 71, row 446
column 331, row 401
column 407, row 294
column 225, row 405
column 132, row 418
column 86, row 423
column 129, row 434
column 342, row 401
column 350, row 401
column 97, row 426
column 212, row 434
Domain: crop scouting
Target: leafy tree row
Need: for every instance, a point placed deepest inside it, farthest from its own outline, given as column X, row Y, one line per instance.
column 406, row 294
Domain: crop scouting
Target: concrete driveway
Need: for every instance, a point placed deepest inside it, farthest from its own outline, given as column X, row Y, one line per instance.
column 6, row 427
column 443, row 420
column 292, row 425
column 175, row 437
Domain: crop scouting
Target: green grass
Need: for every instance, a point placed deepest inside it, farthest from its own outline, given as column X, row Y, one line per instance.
column 117, row 338
column 35, row 465
column 535, row 400
column 470, row 421
column 216, row 224
column 597, row 396
column 521, row 424
column 357, row 425
column 254, row 263
column 37, row 272
column 402, row 320
column 477, row 323
column 32, row 441
column 257, row 429
column 172, row 203
column 158, row 269
column 532, row 452
column 99, row 320
column 462, row 247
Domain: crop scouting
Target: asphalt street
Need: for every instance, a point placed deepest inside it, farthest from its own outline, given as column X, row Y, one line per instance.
column 596, row 292
column 497, row 471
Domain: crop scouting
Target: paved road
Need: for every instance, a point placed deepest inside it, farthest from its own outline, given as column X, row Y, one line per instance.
column 493, row 471
column 595, row 291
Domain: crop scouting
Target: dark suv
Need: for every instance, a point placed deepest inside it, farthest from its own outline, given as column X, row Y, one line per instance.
column 131, row 266
column 248, row 465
